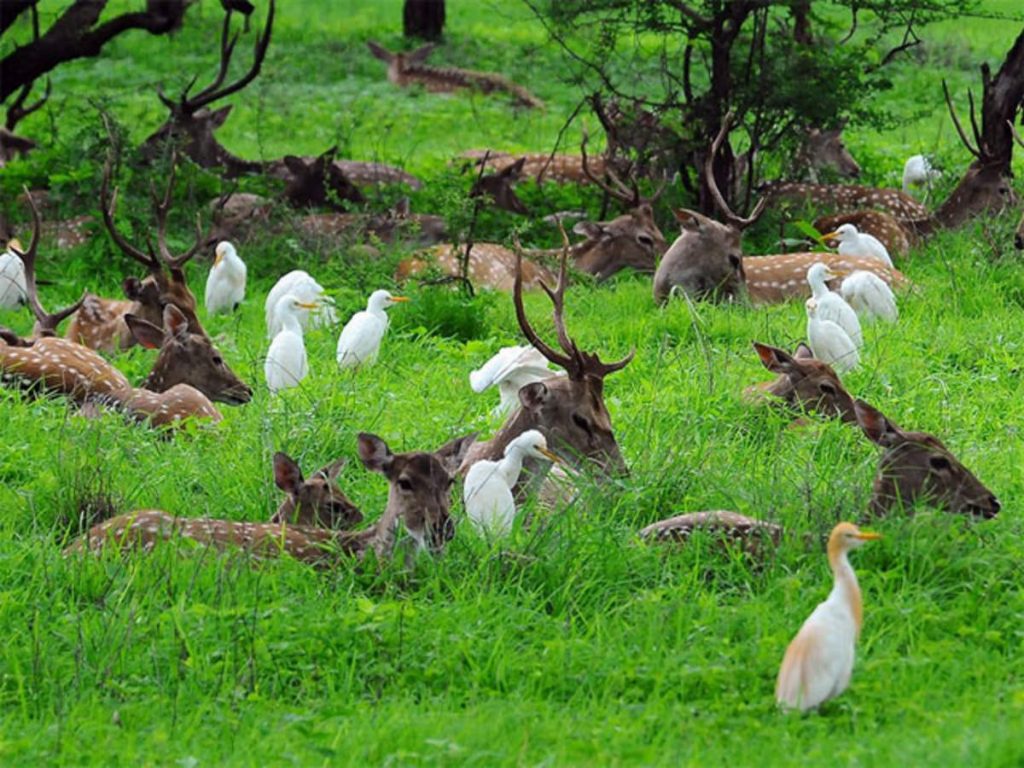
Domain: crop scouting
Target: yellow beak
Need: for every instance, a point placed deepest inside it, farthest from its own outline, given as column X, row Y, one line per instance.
column 399, row 298
column 868, row 535
column 552, row 457
column 14, row 244
column 218, row 258
column 310, row 305
column 830, row 236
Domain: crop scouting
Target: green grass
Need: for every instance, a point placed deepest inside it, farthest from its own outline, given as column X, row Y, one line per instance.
column 572, row 644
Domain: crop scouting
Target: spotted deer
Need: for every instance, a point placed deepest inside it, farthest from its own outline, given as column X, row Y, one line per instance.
column 916, row 466
column 419, row 497
column 751, row 534
column 568, row 410
column 405, row 69
column 707, row 261
column 396, row 225
column 803, row 383
column 541, row 166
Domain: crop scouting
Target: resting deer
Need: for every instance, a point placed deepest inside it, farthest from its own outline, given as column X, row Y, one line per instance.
column 731, row 527
column 917, row 466
column 539, row 166
column 498, row 187
column 707, row 261
column 405, row 69
column 568, row 410
column 804, row 384
column 419, row 497
column 825, row 150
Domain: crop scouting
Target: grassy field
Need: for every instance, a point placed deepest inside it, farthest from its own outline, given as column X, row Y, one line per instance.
column 571, row 643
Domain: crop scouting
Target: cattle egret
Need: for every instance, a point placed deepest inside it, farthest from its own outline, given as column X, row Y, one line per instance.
column 305, row 288
column 225, row 285
column 510, row 369
column 853, row 242
column 870, row 296
column 286, row 363
column 487, row 493
column 829, row 342
column 13, row 291
column 832, row 306
column 918, row 172
column 819, row 660
column 360, row 339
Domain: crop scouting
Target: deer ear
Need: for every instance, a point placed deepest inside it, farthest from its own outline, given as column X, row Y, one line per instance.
column 803, row 352
column 374, row 453
column 132, row 288
column 287, row 473
column 218, row 116
column 147, row 334
column 453, row 452
column 402, row 208
column 773, row 358
column 588, row 229
column 688, row 219
column 175, row 323
column 331, row 471
column 533, row 396
column 380, row 52
column 420, row 54
column 296, row 165
column 513, row 171
column 876, row 426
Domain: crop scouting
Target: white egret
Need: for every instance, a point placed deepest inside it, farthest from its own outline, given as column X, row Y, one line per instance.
column 510, row 369
column 360, row 339
column 829, row 342
column 13, row 290
column 918, row 172
column 831, row 305
column 870, row 296
column 302, row 285
column 819, row 661
column 853, row 242
column 487, row 492
column 225, row 285
column 286, row 363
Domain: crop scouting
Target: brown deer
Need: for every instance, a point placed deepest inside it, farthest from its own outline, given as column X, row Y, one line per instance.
column 845, row 198
column 396, row 225
column 490, row 266
column 896, row 237
column 916, row 466
column 419, row 497
column 317, row 502
column 749, row 533
column 707, row 261
column 568, row 410
column 804, row 384
column 498, row 187
column 825, row 150
column 405, row 69
column 541, row 166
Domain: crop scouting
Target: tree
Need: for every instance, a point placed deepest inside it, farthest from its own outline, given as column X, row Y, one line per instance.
column 423, row 19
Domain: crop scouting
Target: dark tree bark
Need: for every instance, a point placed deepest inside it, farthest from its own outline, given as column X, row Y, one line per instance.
column 77, row 34
column 423, row 19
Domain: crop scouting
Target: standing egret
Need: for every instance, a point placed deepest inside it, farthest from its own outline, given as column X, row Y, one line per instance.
column 853, row 242
column 510, row 369
column 829, row 342
column 360, row 339
column 832, row 306
column 13, row 291
column 487, row 493
column 225, row 285
column 302, row 285
column 819, row 661
column 918, row 172
column 286, row 363
column 870, row 296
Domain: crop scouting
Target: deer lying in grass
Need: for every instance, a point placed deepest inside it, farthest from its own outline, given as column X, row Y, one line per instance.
column 707, row 261
column 804, row 384
column 917, row 466
column 405, row 69
column 568, row 410
column 419, row 497
column 751, row 534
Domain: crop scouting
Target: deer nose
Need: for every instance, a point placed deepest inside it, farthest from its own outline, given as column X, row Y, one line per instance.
column 993, row 507
column 448, row 530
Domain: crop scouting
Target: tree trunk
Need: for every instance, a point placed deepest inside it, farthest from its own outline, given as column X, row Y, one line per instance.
column 423, row 19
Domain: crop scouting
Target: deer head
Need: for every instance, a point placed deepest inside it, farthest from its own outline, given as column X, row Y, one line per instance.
column 917, row 466
column 192, row 122
column 499, row 188
column 420, row 493
column 804, row 383
column 318, row 182
column 632, row 240
column 315, row 502
column 399, row 63
column 187, row 358
column 825, row 150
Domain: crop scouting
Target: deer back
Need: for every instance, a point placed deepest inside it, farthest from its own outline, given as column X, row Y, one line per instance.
column 917, row 466
column 890, row 232
column 490, row 265
column 63, row 367
column 803, row 383
column 847, row 198
column 542, row 166
column 751, row 534
column 170, row 408
column 782, row 277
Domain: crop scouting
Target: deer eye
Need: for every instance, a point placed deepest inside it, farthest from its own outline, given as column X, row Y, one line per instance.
column 735, row 261
column 827, row 388
column 218, row 360
column 405, row 485
column 939, row 463
column 583, row 423
column 645, row 240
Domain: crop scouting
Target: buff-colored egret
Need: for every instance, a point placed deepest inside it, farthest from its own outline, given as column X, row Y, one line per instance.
column 829, row 342
column 870, row 296
column 305, row 288
column 918, row 172
column 819, row 661
column 854, row 243
column 13, row 290
column 360, row 339
column 286, row 364
column 831, row 305
column 509, row 370
column 225, row 285
column 487, row 492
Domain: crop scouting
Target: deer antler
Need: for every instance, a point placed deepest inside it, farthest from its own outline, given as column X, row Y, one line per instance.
column 709, row 176
column 974, row 150
column 577, row 364
column 108, row 204
column 46, row 323
column 214, row 91
column 1013, row 131
column 162, row 207
column 629, row 196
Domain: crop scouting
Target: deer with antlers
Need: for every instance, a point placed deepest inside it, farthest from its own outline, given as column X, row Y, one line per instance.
column 568, row 410
column 419, row 497
column 707, row 261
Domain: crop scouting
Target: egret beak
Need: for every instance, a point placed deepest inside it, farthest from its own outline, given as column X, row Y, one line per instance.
column 554, row 458
column 830, row 236
column 868, row 535
column 307, row 305
column 399, row 298
column 836, row 273
column 218, row 257
column 14, row 244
